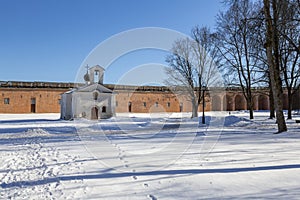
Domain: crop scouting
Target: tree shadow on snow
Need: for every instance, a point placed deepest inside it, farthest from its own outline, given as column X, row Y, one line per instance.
column 148, row 173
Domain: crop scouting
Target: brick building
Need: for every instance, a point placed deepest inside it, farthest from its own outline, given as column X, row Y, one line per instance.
column 44, row 97
column 31, row 97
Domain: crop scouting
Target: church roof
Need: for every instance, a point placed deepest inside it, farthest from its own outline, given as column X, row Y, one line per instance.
column 97, row 67
column 96, row 86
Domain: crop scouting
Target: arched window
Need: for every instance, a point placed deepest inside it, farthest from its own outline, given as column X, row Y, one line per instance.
column 96, row 76
column 95, row 96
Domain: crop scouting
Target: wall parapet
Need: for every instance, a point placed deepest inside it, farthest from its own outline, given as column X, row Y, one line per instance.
column 70, row 85
column 35, row 84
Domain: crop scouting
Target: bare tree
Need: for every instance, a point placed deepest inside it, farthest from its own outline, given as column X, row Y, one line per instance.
column 237, row 47
column 289, row 33
column 192, row 66
column 290, row 9
column 182, row 72
column 272, row 48
column 206, row 63
column 259, row 38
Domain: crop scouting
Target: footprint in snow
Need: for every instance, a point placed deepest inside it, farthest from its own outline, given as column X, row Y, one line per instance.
column 152, row 197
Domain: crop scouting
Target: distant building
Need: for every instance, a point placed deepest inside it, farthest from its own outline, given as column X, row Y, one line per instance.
column 91, row 101
column 95, row 100
column 31, row 97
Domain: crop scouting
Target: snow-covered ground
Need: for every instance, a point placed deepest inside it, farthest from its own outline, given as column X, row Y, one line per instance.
column 140, row 156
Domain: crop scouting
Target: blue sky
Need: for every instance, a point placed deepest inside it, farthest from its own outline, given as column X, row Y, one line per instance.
column 48, row 40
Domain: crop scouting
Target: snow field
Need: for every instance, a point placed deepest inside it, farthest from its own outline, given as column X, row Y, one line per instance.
column 138, row 156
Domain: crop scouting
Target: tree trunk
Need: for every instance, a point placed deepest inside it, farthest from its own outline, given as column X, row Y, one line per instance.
column 290, row 103
column 250, row 107
column 194, row 108
column 273, row 62
column 251, row 113
column 271, row 102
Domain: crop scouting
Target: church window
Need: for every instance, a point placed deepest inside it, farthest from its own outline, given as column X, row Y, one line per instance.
column 95, row 96
column 145, row 104
column 168, row 104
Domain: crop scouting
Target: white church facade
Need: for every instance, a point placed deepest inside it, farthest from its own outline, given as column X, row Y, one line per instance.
column 92, row 101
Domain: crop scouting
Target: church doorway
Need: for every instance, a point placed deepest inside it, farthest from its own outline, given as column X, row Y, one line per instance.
column 94, row 113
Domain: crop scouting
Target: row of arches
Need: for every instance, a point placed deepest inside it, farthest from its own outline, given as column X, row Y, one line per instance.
column 238, row 102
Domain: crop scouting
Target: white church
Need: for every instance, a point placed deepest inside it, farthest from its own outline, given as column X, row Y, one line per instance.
column 92, row 101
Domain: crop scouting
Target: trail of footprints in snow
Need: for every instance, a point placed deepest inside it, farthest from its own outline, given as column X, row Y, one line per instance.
column 33, row 171
column 126, row 165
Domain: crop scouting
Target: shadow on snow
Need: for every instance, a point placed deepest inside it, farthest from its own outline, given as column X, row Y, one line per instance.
column 149, row 173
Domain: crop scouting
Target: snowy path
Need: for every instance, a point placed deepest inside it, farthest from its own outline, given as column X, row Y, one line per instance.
column 51, row 159
column 30, row 163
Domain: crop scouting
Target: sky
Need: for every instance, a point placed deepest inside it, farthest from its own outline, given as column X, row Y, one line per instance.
column 50, row 40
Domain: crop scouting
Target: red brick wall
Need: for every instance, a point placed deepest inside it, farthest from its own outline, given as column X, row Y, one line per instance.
column 154, row 102
column 138, row 99
column 47, row 100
